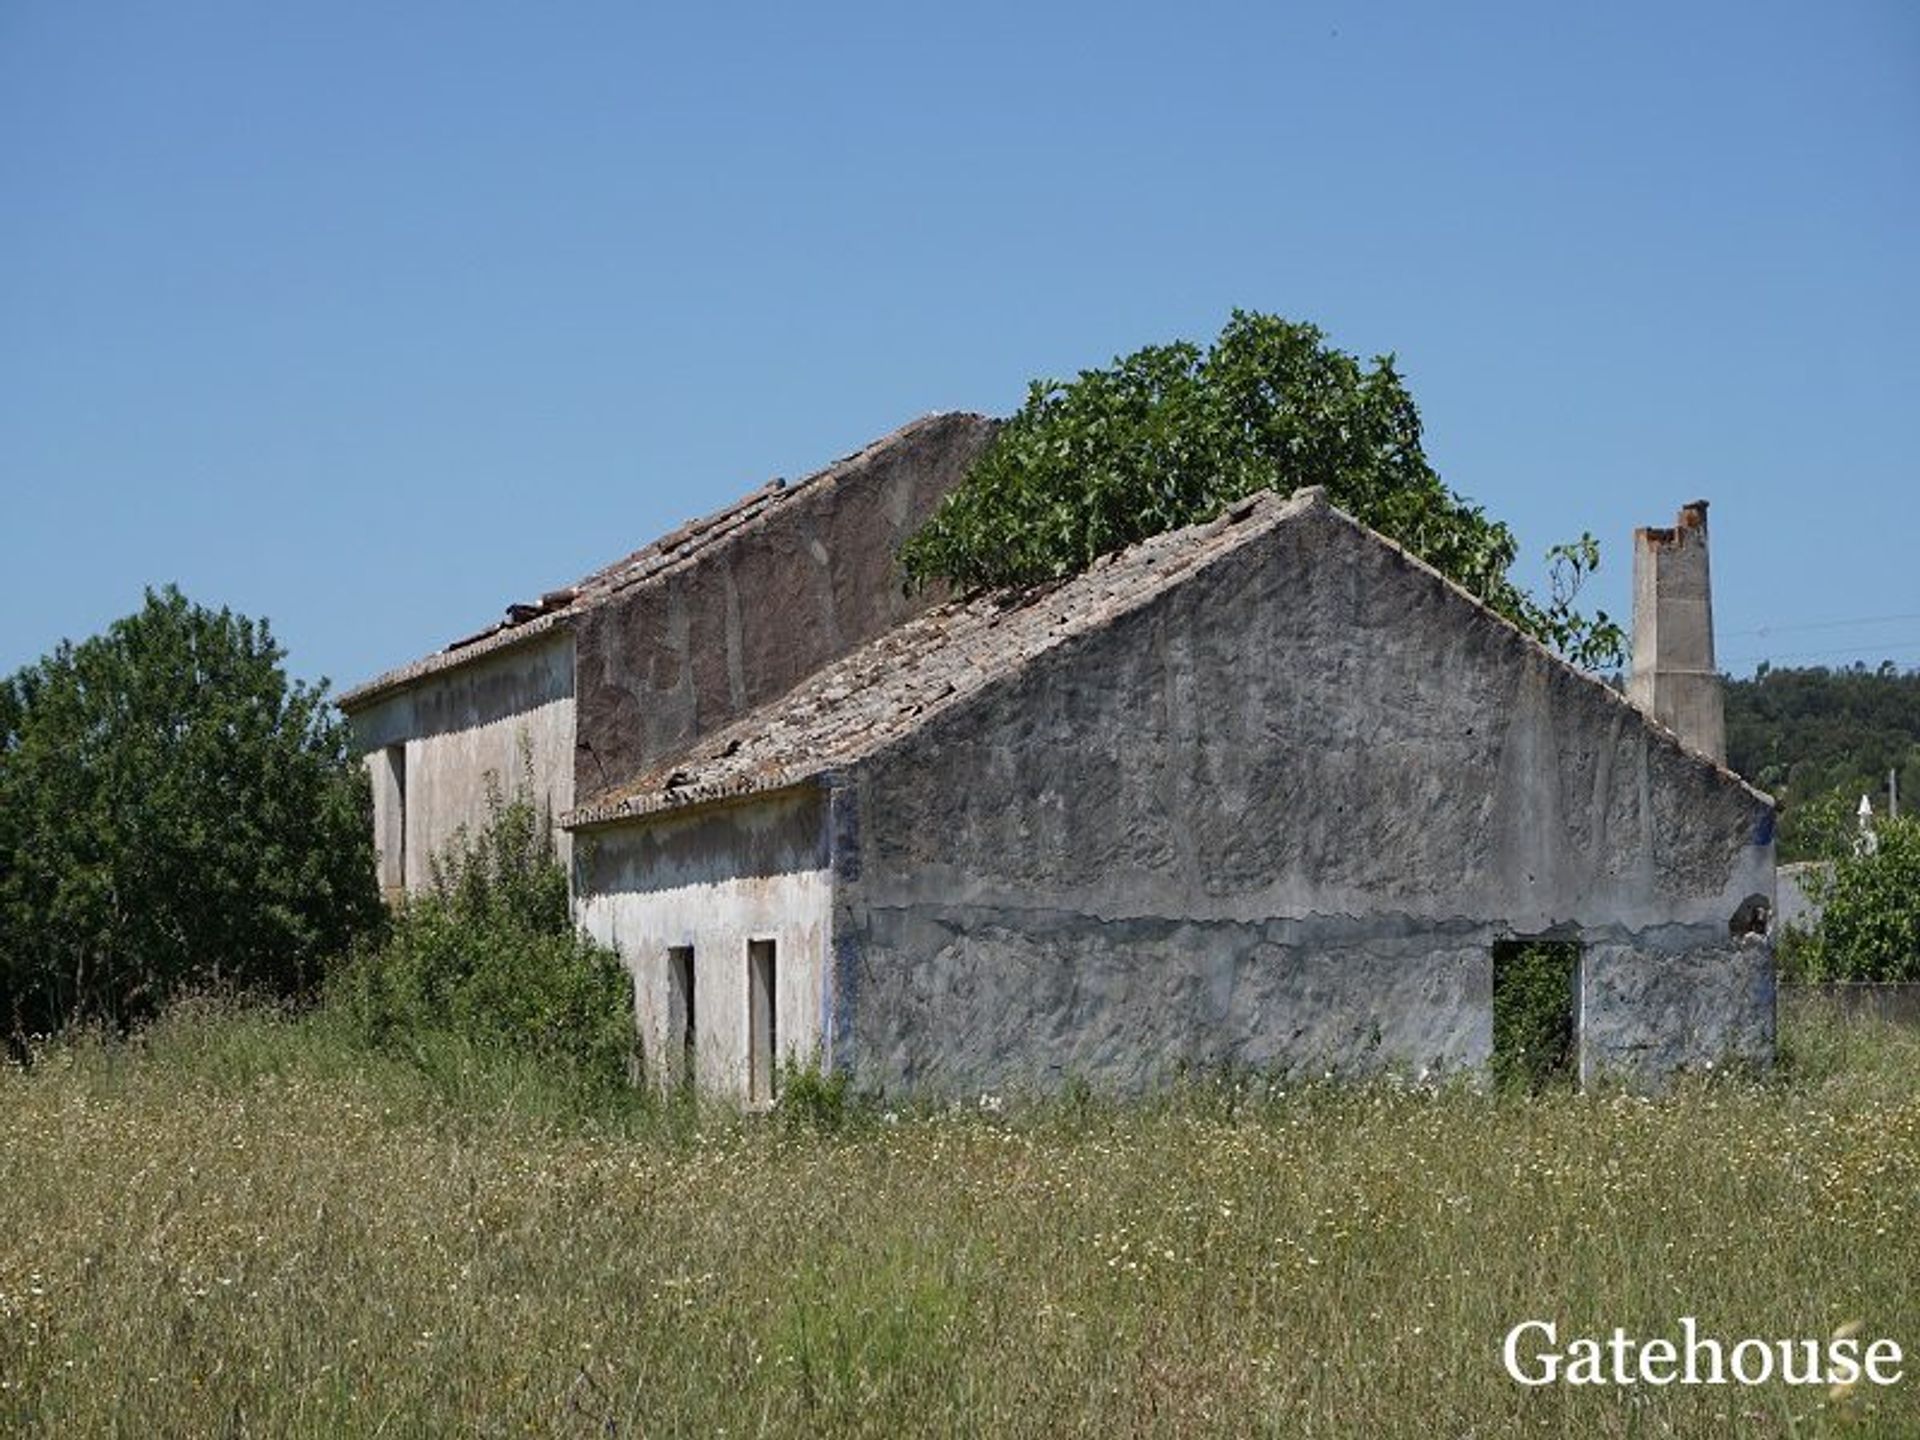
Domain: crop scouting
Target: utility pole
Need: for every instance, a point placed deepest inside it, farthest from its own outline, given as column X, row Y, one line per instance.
column 1893, row 793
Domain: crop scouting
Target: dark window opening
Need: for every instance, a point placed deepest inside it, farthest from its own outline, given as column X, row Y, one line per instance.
column 1536, row 990
column 681, row 1023
column 763, row 1038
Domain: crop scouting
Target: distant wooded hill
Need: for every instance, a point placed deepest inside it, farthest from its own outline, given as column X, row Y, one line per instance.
column 1802, row 735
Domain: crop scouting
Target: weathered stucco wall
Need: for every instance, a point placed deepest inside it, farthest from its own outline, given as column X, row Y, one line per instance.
column 1794, row 906
column 716, row 881
column 742, row 623
column 1648, row 1008
column 459, row 727
column 1279, row 816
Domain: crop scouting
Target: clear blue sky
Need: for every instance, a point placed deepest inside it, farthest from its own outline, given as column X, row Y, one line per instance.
column 374, row 318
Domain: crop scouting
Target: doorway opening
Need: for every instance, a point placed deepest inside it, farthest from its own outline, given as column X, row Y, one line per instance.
column 390, row 804
column 763, row 1040
column 681, row 1021
column 1536, row 1023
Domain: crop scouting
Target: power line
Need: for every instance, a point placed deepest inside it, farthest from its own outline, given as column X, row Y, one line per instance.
column 1866, row 651
column 1825, row 624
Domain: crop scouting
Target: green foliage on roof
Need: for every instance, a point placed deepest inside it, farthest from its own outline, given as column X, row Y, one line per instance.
column 1166, row 436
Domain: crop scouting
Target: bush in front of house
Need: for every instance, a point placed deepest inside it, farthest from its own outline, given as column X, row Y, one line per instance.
column 1869, row 926
column 489, row 953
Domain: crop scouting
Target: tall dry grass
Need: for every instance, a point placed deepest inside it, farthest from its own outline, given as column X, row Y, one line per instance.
column 239, row 1224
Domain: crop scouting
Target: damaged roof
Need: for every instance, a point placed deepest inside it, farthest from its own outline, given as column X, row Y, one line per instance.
column 900, row 681
column 554, row 609
column 891, row 686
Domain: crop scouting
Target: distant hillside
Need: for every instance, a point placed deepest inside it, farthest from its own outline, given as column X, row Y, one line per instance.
column 1804, row 734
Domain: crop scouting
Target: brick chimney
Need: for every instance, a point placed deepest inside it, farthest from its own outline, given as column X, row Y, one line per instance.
column 1674, row 678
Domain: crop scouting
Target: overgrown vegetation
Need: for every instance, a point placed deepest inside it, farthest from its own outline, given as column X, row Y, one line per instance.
column 1533, row 1013
column 244, row 1224
column 174, row 814
column 489, row 955
column 1166, row 436
column 812, row 1099
column 1869, row 926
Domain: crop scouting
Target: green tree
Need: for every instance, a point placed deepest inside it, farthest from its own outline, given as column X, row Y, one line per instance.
column 1827, row 827
column 1818, row 739
column 173, row 813
column 1166, row 436
column 1869, row 927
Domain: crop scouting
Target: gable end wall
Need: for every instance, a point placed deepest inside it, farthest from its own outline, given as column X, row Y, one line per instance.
column 673, row 660
column 494, row 718
column 1277, row 818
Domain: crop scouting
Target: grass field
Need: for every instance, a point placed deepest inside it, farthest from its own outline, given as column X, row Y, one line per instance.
column 238, row 1224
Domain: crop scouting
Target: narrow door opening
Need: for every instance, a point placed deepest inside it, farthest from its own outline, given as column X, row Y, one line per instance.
column 390, row 808
column 399, row 754
column 1536, row 989
column 681, row 1027
column 763, row 1036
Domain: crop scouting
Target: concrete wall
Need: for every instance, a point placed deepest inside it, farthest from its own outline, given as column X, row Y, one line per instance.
column 742, row 623
column 458, row 728
column 716, row 881
column 1650, row 1005
column 1279, row 817
column 1794, row 906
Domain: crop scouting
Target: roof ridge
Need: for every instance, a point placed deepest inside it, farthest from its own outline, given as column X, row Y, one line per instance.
column 527, row 622
column 900, row 678
column 901, row 670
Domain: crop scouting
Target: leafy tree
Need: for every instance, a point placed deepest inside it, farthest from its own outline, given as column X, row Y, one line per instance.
column 173, row 813
column 1869, row 927
column 1826, row 827
column 1166, row 436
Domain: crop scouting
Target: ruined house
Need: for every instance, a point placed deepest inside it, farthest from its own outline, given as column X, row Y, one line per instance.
column 1266, row 792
